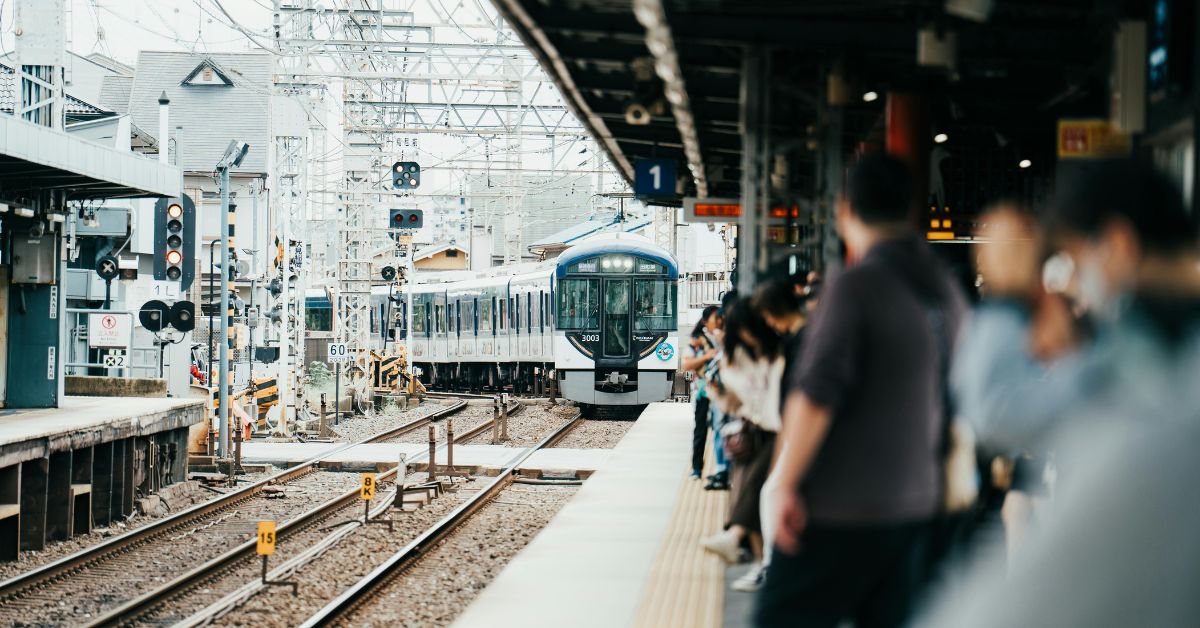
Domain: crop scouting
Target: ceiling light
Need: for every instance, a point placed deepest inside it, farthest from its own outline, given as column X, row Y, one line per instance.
column 941, row 138
column 870, row 97
column 1024, row 163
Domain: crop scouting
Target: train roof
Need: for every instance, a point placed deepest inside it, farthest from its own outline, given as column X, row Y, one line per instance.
column 617, row 243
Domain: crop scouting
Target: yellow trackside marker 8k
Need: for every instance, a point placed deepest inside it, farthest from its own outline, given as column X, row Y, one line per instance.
column 367, row 491
column 266, row 538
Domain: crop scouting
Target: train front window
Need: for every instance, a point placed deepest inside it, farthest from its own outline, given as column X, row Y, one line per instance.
column 655, row 299
column 579, row 304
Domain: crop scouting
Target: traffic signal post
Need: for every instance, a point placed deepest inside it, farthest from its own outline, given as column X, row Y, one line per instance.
column 233, row 157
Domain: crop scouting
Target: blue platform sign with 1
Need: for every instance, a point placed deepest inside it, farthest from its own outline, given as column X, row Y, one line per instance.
column 654, row 177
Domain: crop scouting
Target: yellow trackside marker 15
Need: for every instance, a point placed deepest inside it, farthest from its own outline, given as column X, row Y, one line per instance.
column 367, row 491
column 266, row 538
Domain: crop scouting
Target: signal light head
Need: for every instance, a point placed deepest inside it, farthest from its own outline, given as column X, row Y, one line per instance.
column 174, row 226
column 175, row 210
column 174, row 257
column 174, row 241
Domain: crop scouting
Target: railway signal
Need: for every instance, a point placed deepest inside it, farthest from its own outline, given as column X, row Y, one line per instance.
column 175, row 240
column 406, row 218
column 406, row 175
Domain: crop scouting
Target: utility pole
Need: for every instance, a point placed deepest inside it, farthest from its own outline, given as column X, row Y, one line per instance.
column 223, row 367
column 233, row 157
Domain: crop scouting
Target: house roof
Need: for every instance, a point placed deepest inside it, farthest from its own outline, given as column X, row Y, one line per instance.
column 600, row 224
column 114, row 93
column 211, row 115
column 437, row 247
column 109, row 63
column 8, row 98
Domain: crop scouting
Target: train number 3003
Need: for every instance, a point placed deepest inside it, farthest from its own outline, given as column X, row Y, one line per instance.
column 590, row 337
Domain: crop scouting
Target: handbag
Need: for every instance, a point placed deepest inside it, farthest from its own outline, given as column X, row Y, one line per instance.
column 738, row 439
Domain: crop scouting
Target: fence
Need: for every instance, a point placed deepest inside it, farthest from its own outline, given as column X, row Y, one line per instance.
column 702, row 292
column 123, row 353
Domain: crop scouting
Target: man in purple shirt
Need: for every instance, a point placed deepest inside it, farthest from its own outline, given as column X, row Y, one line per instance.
column 864, row 421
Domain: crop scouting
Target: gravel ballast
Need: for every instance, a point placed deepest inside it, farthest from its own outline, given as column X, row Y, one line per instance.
column 593, row 434
column 440, row 586
column 530, row 425
column 120, row 578
column 326, row 577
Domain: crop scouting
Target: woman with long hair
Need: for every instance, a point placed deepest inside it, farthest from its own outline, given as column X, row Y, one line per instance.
column 751, row 371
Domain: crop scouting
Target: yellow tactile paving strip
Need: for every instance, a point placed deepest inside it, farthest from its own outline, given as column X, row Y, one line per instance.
column 686, row 587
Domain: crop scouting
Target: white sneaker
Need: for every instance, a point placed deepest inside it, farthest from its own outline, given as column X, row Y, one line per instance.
column 724, row 544
column 750, row 582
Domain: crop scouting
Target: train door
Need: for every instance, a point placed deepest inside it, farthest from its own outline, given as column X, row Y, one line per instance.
column 615, row 329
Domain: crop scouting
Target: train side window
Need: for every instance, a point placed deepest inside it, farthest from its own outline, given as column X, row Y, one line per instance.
column 503, row 313
column 541, row 311
column 528, row 312
column 458, row 318
column 494, row 316
column 517, row 314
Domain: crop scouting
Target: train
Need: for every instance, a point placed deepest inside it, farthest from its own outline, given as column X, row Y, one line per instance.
column 602, row 317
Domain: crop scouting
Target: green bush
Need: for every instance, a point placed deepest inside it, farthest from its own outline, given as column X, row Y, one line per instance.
column 319, row 375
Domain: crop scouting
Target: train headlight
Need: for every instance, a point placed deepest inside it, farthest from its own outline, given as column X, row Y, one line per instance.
column 628, row 263
column 606, row 263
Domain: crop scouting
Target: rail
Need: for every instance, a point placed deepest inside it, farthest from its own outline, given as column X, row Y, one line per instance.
column 399, row 562
column 132, row 609
column 64, row 567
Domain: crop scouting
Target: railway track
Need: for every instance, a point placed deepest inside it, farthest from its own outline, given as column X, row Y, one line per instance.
column 141, row 551
column 301, row 530
column 367, row 588
column 310, row 549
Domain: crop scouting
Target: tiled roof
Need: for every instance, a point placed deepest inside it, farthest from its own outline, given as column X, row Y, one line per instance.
column 211, row 115
column 8, row 97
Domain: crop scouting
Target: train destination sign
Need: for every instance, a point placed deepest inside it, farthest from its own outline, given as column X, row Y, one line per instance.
column 711, row 209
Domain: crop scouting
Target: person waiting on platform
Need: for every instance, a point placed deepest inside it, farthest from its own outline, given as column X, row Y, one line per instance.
column 752, row 366
column 864, row 420
column 703, row 349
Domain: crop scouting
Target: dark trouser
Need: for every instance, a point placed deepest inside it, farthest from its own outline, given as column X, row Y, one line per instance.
column 868, row 574
column 699, row 432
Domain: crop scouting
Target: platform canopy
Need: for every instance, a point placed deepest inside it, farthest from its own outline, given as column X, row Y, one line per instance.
column 37, row 158
column 1019, row 65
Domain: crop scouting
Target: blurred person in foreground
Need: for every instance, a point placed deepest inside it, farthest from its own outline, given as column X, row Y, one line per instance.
column 703, row 349
column 1121, row 412
column 1026, row 370
column 864, row 421
column 751, row 369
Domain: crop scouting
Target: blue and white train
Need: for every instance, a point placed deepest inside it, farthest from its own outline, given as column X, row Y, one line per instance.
column 603, row 316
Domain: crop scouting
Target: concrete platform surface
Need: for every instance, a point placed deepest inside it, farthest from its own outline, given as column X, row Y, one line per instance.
column 590, row 566
column 85, row 421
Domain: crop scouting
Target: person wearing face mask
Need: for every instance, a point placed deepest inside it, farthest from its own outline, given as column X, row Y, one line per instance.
column 1119, row 408
column 1027, row 366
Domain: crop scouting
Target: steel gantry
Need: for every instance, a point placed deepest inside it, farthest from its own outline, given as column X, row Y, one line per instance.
column 451, row 88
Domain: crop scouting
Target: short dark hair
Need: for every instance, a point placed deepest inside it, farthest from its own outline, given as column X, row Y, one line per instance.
column 777, row 298
column 1091, row 195
column 879, row 188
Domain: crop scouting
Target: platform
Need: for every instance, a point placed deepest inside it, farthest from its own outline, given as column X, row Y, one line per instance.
column 625, row 550
column 63, row 470
column 471, row 456
column 87, row 421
